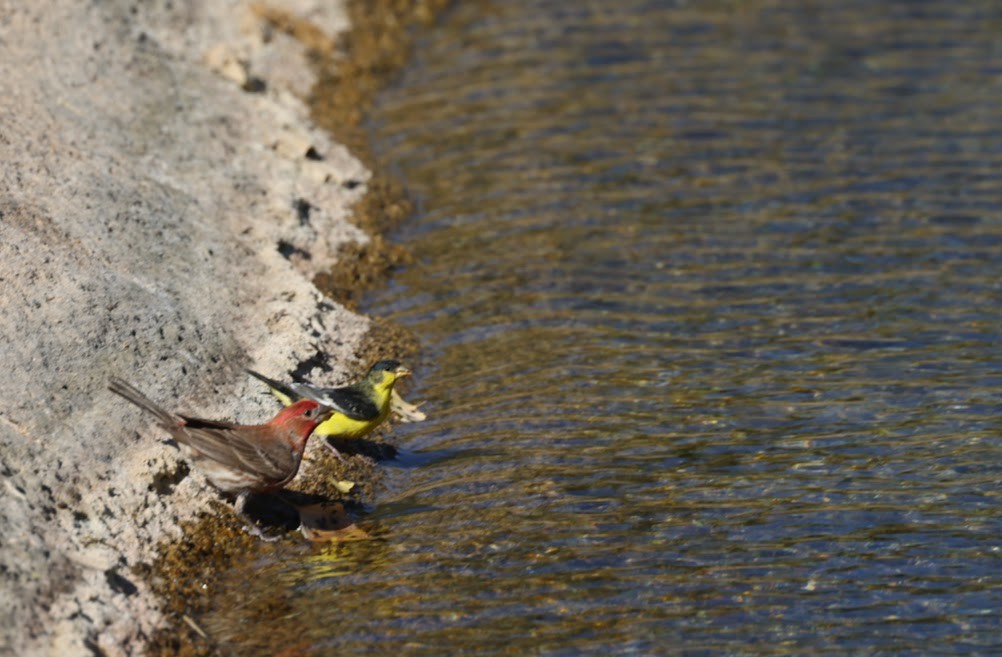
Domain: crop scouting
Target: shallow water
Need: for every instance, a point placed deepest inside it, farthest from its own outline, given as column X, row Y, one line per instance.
column 709, row 301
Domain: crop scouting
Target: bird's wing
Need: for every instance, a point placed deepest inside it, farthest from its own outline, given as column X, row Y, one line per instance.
column 356, row 403
column 198, row 423
column 286, row 394
column 331, row 397
column 352, row 401
column 240, row 447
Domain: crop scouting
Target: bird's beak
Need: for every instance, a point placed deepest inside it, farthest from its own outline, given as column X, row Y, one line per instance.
column 325, row 414
column 402, row 371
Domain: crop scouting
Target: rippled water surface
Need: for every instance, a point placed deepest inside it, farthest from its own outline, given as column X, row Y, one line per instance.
column 709, row 295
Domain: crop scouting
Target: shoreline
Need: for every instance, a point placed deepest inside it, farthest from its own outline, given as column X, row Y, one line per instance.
column 168, row 205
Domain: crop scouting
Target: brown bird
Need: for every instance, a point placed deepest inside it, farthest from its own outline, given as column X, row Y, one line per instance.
column 236, row 458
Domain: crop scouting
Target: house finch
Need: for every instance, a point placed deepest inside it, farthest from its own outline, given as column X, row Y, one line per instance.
column 235, row 458
column 358, row 408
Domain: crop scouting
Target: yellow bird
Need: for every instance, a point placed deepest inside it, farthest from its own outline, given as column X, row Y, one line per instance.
column 358, row 408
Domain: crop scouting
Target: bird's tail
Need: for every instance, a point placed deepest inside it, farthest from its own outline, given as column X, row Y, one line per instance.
column 285, row 393
column 130, row 392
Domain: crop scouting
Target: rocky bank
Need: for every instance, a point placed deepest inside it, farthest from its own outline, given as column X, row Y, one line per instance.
column 164, row 205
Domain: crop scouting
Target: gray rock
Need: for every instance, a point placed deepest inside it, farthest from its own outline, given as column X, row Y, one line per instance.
column 143, row 197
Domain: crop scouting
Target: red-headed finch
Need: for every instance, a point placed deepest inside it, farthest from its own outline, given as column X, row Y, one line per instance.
column 238, row 458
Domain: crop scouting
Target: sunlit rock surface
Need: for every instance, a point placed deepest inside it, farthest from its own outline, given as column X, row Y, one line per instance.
column 164, row 202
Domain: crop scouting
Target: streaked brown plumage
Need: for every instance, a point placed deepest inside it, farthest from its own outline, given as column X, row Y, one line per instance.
column 237, row 458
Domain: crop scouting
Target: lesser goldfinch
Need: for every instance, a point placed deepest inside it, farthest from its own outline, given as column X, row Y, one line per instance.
column 359, row 407
column 238, row 458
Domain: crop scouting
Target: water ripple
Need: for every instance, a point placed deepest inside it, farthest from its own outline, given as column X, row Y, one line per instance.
column 709, row 298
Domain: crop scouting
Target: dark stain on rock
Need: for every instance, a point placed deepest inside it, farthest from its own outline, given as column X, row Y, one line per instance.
column 318, row 361
column 119, row 583
column 165, row 480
